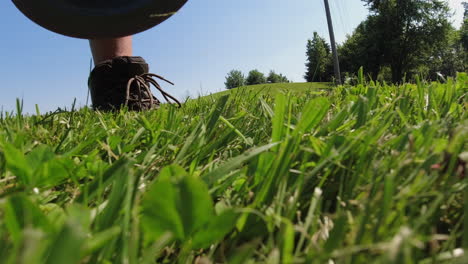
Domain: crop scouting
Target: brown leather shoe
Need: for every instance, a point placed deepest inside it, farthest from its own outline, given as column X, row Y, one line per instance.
column 125, row 81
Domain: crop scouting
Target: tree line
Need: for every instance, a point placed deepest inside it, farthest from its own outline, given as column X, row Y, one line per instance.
column 400, row 38
column 236, row 78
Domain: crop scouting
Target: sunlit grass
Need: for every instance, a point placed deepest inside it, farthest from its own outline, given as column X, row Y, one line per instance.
column 295, row 174
column 274, row 88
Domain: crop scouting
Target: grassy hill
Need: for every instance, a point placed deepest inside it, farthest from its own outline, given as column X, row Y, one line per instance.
column 359, row 174
column 274, row 88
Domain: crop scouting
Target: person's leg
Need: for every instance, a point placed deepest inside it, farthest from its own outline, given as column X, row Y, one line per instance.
column 121, row 79
column 106, row 49
column 115, row 66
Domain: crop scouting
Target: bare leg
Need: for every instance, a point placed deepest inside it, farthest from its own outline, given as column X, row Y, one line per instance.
column 105, row 49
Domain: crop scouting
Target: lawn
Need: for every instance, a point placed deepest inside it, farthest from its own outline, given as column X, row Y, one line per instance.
column 274, row 88
column 289, row 173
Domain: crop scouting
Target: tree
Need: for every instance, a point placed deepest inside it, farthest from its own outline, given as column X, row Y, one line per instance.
column 464, row 28
column 318, row 60
column 255, row 77
column 446, row 59
column 283, row 79
column 235, row 78
column 273, row 77
column 362, row 49
column 464, row 35
column 407, row 30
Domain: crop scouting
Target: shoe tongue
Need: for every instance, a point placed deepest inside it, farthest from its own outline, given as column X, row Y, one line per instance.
column 129, row 66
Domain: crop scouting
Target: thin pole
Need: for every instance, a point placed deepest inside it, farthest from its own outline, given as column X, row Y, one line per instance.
column 336, row 63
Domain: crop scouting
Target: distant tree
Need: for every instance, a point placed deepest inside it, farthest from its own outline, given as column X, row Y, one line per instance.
column 318, row 59
column 273, row 77
column 464, row 28
column 235, row 78
column 446, row 59
column 362, row 49
column 255, row 77
column 283, row 79
column 464, row 35
column 407, row 30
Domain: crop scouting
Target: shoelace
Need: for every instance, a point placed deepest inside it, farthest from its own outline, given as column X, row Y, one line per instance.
column 142, row 81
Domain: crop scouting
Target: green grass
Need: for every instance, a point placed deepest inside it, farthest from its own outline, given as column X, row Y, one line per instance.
column 365, row 174
column 275, row 88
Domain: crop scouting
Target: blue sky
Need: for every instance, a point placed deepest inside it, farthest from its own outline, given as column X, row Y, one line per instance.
column 195, row 49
